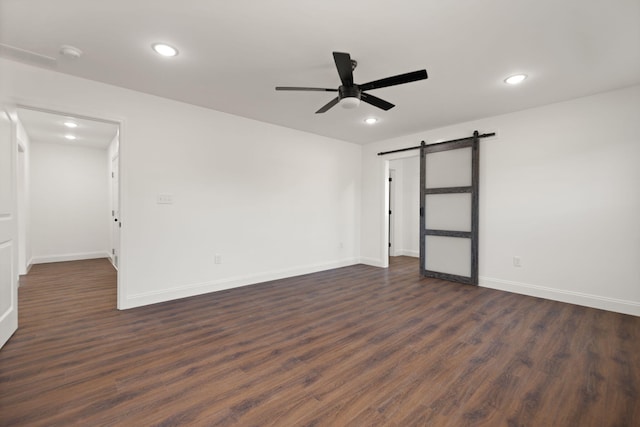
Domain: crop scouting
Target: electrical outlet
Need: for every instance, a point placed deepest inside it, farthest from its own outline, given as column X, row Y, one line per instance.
column 217, row 259
column 516, row 261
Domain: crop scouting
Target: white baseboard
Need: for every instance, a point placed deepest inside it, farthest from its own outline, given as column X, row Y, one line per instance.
column 189, row 290
column 69, row 257
column 29, row 265
column 587, row 300
column 26, row 269
column 405, row 252
column 378, row 263
column 371, row 261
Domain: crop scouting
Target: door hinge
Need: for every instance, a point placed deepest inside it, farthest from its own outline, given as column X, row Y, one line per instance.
column 390, row 179
column 113, row 213
column 421, row 211
column 389, row 211
column 112, row 175
column 389, row 244
column 113, row 251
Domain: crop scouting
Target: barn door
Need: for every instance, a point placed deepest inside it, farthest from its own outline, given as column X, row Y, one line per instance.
column 449, row 178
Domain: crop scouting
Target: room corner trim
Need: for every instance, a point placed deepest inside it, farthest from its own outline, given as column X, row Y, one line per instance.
column 371, row 261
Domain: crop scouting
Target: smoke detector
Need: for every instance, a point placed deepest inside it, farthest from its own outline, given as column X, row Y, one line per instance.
column 70, row 52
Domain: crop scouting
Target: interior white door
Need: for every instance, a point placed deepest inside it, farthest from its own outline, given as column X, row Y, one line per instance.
column 115, row 211
column 8, row 232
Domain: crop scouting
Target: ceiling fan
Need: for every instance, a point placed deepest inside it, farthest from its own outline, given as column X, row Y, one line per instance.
column 350, row 94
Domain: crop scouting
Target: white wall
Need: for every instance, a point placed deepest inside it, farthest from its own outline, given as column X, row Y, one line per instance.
column 411, row 202
column 273, row 202
column 558, row 187
column 69, row 202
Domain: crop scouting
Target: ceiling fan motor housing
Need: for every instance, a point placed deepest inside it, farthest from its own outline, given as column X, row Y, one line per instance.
column 349, row 92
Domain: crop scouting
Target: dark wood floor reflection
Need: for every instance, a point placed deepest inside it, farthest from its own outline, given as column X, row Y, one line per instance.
column 356, row 346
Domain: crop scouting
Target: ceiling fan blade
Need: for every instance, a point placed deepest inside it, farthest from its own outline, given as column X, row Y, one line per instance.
column 376, row 102
column 328, row 105
column 345, row 69
column 395, row 80
column 314, row 89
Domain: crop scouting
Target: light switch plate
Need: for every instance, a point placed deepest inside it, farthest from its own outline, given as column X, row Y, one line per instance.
column 165, row 199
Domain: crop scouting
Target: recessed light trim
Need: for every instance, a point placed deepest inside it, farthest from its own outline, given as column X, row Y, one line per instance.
column 371, row 120
column 515, row 79
column 164, row 49
column 70, row 137
column 70, row 124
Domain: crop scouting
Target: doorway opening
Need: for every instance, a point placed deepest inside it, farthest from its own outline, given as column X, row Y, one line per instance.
column 68, row 188
column 402, row 206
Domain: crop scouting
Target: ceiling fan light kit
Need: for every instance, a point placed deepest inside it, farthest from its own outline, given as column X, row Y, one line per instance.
column 350, row 102
column 350, row 94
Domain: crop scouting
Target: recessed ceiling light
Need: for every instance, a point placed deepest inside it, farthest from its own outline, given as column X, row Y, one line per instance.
column 515, row 79
column 70, row 124
column 371, row 120
column 70, row 137
column 165, row 49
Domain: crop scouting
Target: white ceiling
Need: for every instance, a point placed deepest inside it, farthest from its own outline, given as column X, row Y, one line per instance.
column 233, row 54
column 49, row 127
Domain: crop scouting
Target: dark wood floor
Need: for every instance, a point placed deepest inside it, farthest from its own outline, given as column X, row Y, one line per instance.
column 357, row 346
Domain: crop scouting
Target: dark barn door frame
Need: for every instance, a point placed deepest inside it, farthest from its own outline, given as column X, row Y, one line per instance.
column 391, row 195
column 473, row 189
column 425, row 150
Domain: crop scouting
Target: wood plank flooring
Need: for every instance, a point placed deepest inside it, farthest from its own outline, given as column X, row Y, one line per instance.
column 355, row 346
